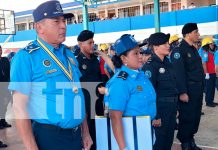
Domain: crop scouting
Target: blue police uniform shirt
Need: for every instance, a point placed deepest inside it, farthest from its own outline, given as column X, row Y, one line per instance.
column 51, row 96
column 106, row 66
column 200, row 52
column 204, row 56
column 216, row 57
column 132, row 93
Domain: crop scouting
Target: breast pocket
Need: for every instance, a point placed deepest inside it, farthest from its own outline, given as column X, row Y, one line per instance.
column 163, row 77
column 191, row 61
column 163, row 80
column 52, row 73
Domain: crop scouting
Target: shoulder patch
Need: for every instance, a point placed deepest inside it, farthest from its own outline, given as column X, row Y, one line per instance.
column 31, row 47
column 123, row 75
column 176, row 55
column 205, row 54
column 148, row 73
column 178, row 45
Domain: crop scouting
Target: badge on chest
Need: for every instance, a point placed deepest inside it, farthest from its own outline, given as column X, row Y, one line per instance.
column 46, row 63
column 162, row 70
column 139, row 88
column 84, row 66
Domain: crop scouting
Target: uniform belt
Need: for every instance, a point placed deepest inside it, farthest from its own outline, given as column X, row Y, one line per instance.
column 53, row 127
column 168, row 99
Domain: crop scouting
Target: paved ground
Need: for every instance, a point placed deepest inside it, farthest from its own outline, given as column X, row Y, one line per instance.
column 207, row 137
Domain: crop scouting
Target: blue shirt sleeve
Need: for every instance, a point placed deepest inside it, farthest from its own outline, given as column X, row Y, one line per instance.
column 204, row 57
column 118, row 95
column 216, row 58
column 21, row 73
column 105, row 66
column 200, row 52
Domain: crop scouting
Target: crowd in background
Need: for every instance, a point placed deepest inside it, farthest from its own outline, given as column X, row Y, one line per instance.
column 162, row 77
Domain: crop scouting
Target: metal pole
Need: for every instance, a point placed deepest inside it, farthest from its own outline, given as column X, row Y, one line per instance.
column 85, row 15
column 157, row 15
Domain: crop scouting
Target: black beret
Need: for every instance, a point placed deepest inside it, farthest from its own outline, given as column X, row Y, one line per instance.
column 188, row 28
column 85, row 35
column 158, row 38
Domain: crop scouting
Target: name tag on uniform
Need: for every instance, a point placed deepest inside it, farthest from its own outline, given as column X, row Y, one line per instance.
column 51, row 71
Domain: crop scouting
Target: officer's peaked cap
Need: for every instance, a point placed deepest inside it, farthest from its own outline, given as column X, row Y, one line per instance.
column 188, row 28
column 49, row 9
column 158, row 38
column 125, row 43
column 112, row 47
column 85, row 35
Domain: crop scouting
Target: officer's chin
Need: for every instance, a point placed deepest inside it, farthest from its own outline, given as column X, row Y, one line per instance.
column 92, row 51
column 140, row 64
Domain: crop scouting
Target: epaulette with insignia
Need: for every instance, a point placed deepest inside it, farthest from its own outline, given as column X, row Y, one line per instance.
column 31, row 47
column 178, row 45
column 149, row 60
column 123, row 75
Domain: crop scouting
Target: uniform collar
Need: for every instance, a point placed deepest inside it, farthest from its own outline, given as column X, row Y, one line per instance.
column 186, row 44
column 84, row 56
column 132, row 73
column 212, row 52
column 155, row 57
column 51, row 48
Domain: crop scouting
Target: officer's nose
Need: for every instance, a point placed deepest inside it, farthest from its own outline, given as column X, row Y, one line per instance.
column 63, row 24
column 140, row 56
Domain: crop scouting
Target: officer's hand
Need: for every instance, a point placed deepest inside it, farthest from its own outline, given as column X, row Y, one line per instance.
column 183, row 97
column 98, row 53
column 87, row 141
column 156, row 122
column 207, row 76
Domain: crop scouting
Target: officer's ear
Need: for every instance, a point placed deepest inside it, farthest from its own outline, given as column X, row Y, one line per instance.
column 79, row 43
column 39, row 26
column 123, row 59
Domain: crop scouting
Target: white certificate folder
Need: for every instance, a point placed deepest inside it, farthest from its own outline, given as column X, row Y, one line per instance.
column 137, row 133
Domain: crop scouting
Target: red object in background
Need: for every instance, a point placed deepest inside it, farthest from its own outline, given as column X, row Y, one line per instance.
column 102, row 66
column 210, row 63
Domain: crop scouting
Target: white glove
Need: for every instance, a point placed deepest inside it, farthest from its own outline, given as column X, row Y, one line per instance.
column 207, row 76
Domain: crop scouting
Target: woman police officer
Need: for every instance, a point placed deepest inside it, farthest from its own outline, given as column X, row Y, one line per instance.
column 161, row 74
column 130, row 92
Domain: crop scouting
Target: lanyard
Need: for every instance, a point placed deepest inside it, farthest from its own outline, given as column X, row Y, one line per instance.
column 57, row 61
